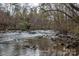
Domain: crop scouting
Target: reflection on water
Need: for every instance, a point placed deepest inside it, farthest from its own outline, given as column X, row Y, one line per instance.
column 16, row 44
column 11, row 43
column 13, row 49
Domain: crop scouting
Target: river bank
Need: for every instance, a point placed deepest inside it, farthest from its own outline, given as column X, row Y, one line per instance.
column 38, row 42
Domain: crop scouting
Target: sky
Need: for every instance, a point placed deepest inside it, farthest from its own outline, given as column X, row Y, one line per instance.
column 34, row 4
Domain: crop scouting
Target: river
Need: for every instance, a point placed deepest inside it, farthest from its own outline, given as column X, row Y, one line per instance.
column 10, row 40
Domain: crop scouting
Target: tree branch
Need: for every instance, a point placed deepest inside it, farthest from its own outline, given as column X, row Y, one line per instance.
column 62, row 12
column 74, row 7
column 58, row 11
column 71, row 9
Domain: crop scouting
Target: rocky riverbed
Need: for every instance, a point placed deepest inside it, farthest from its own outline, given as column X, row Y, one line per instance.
column 38, row 43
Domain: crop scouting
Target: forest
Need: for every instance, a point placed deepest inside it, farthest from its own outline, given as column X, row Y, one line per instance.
column 16, row 16
column 62, row 18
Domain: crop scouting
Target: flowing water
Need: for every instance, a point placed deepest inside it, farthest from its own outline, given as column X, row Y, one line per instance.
column 11, row 42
